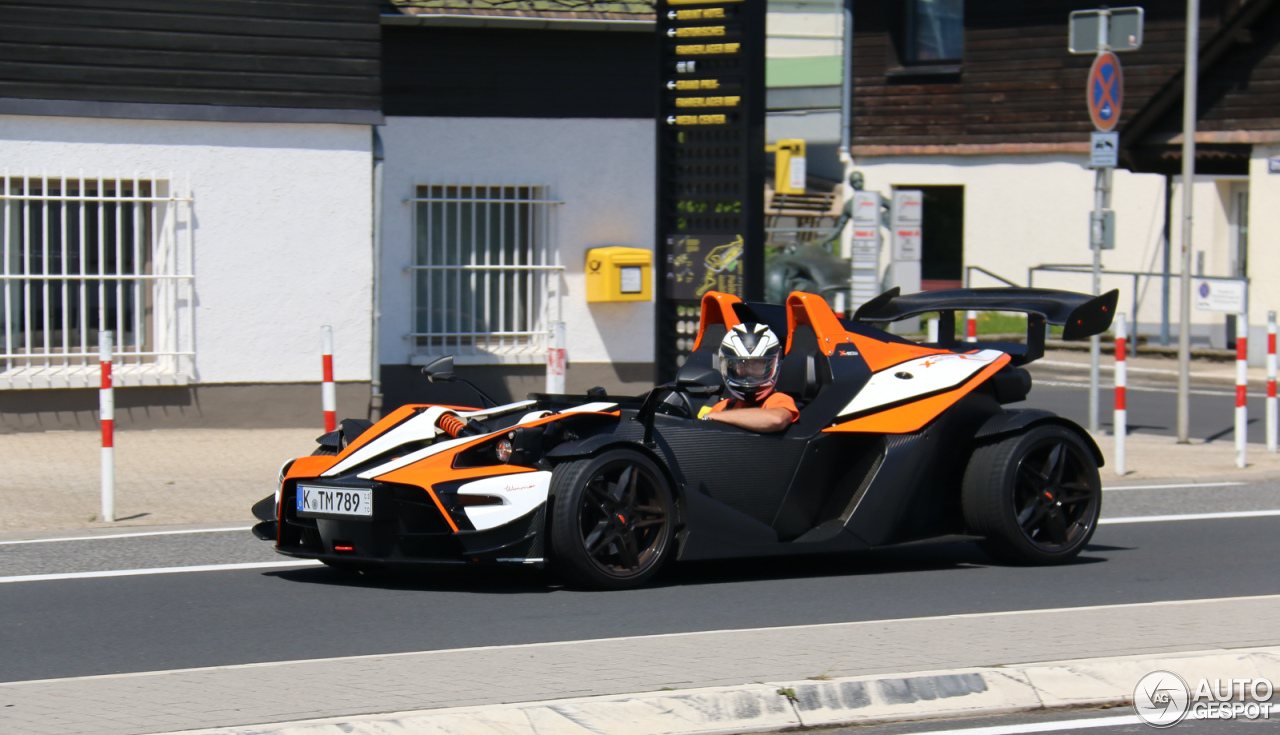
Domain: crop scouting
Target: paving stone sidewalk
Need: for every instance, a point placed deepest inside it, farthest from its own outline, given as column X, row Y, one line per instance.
column 52, row 480
column 273, row 692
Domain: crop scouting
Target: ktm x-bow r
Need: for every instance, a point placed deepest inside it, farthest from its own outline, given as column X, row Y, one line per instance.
column 896, row 442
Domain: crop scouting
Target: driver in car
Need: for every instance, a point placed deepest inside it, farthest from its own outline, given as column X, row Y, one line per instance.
column 749, row 356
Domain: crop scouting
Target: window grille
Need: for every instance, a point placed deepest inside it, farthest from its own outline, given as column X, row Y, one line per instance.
column 82, row 255
column 486, row 272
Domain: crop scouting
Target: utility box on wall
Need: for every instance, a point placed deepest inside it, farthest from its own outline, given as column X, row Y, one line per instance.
column 619, row 274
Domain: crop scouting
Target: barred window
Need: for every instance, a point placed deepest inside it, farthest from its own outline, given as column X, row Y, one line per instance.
column 485, row 270
column 84, row 255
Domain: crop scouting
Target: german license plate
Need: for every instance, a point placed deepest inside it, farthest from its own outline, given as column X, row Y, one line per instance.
column 334, row 501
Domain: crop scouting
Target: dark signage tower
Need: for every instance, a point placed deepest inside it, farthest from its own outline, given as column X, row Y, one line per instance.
column 710, row 164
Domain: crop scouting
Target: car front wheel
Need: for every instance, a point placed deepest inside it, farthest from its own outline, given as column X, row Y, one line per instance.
column 611, row 526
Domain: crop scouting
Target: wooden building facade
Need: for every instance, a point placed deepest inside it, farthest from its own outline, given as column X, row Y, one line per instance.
column 269, row 61
column 996, row 125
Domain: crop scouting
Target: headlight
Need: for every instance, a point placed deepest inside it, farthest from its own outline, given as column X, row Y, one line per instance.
column 503, row 450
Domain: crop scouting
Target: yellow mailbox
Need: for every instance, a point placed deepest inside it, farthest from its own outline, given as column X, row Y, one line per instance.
column 789, row 169
column 619, row 274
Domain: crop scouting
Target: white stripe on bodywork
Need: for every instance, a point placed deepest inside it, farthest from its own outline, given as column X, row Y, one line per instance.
column 419, row 428
column 421, row 454
column 591, row 408
column 931, row 374
column 520, row 493
column 423, row 427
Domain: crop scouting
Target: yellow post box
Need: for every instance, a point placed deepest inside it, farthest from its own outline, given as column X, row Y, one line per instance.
column 789, row 169
column 619, row 274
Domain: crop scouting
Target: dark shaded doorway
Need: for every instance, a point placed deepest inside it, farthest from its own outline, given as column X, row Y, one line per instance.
column 942, row 261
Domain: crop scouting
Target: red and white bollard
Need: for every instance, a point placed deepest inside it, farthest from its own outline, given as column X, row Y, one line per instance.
column 971, row 326
column 556, row 359
column 107, row 417
column 1242, row 389
column 1272, row 414
column 328, row 395
column 1120, row 422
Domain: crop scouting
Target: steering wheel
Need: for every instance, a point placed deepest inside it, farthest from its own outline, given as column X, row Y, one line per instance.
column 676, row 403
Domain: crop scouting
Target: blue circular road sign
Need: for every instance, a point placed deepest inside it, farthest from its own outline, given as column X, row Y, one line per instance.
column 1105, row 93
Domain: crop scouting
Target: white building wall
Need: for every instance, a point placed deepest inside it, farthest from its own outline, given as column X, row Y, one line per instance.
column 1264, row 232
column 282, row 230
column 1024, row 211
column 603, row 171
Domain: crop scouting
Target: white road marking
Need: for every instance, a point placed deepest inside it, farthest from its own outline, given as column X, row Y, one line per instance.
column 689, row 634
column 1174, row 487
column 1059, row 725
column 310, row 562
column 1141, row 389
column 1191, row 517
column 123, row 535
column 160, row 570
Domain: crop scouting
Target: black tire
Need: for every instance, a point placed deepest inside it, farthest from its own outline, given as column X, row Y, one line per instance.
column 613, row 518
column 1035, row 496
column 323, row 451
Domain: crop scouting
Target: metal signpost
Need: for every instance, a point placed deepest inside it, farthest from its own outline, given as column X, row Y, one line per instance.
column 711, row 160
column 1103, row 32
column 1190, row 77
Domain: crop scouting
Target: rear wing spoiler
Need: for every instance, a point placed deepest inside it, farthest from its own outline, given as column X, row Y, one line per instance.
column 1079, row 315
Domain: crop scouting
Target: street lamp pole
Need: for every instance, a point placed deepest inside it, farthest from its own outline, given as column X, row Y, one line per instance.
column 1188, row 180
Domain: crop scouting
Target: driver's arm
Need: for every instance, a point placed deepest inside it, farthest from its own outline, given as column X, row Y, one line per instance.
column 762, row 420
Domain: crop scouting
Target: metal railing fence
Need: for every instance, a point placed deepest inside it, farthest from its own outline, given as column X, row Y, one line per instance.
column 83, row 255
column 485, row 272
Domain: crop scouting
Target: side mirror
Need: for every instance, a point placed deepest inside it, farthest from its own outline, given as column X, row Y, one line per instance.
column 439, row 370
column 699, row 381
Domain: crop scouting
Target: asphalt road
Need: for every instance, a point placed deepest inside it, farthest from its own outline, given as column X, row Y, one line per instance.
column 1151, row 399
column 1117, row 721
column 78, row 627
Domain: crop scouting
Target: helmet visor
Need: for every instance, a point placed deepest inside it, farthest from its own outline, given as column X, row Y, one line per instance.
column 750, row 371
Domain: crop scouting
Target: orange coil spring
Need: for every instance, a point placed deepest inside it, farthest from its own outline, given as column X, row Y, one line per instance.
column 451, row 424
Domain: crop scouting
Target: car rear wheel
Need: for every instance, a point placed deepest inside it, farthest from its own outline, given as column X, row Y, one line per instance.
column 1036, row 496
column 611, row 526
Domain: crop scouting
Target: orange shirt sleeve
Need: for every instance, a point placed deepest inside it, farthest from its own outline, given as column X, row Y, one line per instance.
column 722, row 405
column 775, row 400
column 782, row 400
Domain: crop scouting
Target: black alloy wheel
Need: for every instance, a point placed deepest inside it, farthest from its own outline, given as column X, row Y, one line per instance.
column 611, row 526
column 1036, row 496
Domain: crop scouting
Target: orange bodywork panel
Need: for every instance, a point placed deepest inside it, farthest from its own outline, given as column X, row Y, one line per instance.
column 880, row 355
column 913, row 416
column 310, row 466
column 813, row 310
column 717, row 308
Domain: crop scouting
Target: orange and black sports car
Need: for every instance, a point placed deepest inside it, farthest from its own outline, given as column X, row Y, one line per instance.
column 896, row 442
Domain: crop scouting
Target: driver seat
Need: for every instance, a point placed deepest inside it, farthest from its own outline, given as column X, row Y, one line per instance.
column 717, row 317
column 806, row 368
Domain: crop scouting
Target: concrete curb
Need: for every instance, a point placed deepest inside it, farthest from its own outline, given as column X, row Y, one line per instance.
column 763, row 707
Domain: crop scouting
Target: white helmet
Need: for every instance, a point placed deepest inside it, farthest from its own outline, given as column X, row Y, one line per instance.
column 749, row 361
